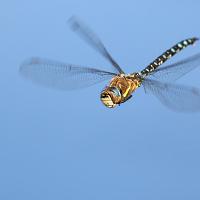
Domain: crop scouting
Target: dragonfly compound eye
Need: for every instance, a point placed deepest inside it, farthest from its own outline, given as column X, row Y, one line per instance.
column 110, row 97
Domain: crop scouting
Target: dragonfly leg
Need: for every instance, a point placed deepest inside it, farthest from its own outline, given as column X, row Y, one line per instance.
column 126, row 99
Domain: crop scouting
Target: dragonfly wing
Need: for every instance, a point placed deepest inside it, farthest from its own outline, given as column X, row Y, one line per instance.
column 176, row 97
column 177, row 70
column 92, row 39
column 60, row 75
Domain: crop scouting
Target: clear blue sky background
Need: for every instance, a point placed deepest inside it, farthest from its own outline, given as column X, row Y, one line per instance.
column 66, row 145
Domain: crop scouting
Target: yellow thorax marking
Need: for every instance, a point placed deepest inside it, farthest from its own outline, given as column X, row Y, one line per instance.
column 126, row 92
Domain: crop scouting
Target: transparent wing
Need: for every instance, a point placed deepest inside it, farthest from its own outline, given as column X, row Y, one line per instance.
column 177, row 70
column 176, row 97
column 61, row 76
column 92, row 39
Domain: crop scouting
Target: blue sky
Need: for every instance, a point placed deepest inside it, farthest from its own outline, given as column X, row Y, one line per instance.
column 66, row 145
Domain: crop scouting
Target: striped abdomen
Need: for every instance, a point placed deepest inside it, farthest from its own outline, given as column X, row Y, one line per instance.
column 168, row 54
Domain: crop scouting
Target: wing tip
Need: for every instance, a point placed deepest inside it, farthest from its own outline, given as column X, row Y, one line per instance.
column 73, row 22
column 30, row 61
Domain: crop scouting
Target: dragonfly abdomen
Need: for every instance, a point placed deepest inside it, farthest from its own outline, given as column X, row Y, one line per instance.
column 167, row 55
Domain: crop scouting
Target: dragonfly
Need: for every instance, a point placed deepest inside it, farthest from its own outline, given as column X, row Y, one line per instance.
column 159, row 81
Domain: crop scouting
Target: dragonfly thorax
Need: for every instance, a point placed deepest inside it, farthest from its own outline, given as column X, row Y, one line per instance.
column 119, row 90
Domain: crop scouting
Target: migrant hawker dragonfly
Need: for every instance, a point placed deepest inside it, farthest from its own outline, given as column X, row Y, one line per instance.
column 155, row 80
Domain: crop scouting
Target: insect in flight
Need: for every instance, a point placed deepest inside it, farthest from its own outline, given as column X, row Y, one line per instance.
column 155, row 80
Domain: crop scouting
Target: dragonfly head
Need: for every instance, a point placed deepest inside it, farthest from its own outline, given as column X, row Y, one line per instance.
column 111, row 96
